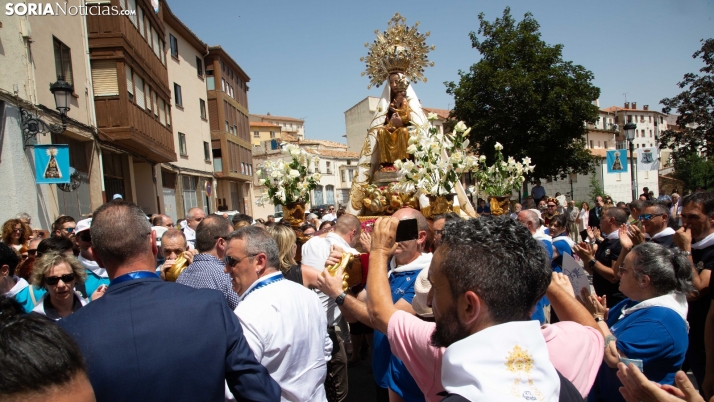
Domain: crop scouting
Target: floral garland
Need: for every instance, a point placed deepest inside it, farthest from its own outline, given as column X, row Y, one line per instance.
column 288, row 182
column 503, row 176
column 438, row 160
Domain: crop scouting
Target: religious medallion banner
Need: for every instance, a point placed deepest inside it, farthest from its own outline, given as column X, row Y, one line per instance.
column 52, row 164
column 617, row 161
column 648, row 159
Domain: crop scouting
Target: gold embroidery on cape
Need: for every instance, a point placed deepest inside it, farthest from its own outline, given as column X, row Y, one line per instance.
column 520, row 362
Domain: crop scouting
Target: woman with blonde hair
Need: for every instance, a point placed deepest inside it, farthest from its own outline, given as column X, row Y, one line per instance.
column 15, row 233
column 287, row 247
column 58, row 274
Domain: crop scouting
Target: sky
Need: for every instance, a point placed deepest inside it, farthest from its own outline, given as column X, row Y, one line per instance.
column 303, row 56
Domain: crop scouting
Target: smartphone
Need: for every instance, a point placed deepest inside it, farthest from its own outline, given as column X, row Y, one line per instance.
column 407, row 230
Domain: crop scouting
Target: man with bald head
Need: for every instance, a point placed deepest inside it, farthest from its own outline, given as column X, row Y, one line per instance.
column 193, row 218
column 314, row 256
column 162, row 220
column 404, row 265
column 207, row 269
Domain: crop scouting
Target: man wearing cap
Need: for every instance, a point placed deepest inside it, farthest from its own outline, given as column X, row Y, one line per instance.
column 117, row 197
column 96, row 276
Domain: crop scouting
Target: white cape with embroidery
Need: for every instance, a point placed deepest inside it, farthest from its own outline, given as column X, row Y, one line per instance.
column 506, row 362
column 369, row 155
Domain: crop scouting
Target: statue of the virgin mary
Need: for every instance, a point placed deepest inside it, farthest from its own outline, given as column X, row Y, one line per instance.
column 397, row 57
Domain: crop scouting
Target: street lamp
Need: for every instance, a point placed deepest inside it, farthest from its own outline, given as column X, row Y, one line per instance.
column 33, row 125
column 630, row 132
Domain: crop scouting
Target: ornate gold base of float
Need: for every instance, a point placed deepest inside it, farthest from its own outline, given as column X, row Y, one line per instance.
column 379, row 201
column 294, row 213
column 500, row 204
column 439, row 205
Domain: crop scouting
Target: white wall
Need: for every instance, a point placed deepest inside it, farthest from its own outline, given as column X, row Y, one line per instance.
column 617, row 185
column 17, row 177
column 357, row 120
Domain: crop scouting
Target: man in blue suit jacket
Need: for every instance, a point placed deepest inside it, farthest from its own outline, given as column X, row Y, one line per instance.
column 149, row 340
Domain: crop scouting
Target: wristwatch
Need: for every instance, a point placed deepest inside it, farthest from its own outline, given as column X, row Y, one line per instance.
column 598, row 319
column 686, row 253
column 340, row 300
column 591, row 263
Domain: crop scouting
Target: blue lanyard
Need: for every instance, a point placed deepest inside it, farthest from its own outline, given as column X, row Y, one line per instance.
column 261, row 284
column 133, row 275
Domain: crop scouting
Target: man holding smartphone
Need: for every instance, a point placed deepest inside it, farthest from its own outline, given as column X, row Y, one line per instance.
column 403, row 266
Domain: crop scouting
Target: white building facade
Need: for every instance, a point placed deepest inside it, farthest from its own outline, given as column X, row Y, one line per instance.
column 337, row 166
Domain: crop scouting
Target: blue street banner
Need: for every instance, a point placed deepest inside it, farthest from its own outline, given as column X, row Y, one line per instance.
column 617, row 161
column 52, row 164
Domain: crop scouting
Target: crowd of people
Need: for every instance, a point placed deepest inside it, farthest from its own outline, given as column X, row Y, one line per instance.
column 121, row 306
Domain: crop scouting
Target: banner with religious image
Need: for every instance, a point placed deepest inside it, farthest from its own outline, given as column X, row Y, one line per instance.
column 52, row 164
column 648, row 159
column 617, row 161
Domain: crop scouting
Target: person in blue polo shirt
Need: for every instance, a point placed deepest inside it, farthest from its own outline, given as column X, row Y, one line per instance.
column 649, row 327
column 390, row 374
column 13, row 286
column 96, row 275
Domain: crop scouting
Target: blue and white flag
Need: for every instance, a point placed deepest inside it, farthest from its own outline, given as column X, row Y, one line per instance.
column 617, row 161
column 647, row 159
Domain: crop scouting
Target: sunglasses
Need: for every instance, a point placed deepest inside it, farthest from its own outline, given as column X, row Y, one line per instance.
column 18, row 230
column 53, row 280
column 232, row 262
column 552, row 205
column 331, row 209
column 68, row 230
column 647, row 217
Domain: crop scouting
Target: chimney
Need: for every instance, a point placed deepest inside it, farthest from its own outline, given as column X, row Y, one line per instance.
column 646, row 107
column 634, row 105
column 627, row 105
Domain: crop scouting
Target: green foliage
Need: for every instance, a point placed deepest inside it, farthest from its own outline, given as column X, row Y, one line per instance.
column 695, row 171
column 695, row 107
column 595, row 189
column 524, row 96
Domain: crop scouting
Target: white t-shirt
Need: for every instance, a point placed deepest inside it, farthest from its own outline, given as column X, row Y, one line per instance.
column 286, row 329
column 329, row 217
column 314, row 254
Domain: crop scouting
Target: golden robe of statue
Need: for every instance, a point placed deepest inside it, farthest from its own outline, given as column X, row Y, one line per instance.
column 392, row 139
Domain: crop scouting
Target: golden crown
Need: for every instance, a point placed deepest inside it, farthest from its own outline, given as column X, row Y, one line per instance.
column 398, row 49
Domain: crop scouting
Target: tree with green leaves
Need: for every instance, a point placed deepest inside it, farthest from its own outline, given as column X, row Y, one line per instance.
column 695, row 171
column 523, row 95
column 695, row 106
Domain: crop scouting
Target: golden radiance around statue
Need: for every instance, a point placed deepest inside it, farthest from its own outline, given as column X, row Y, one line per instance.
column 398, row 49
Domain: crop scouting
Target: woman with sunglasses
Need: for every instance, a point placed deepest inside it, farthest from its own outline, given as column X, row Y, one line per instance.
column 648, row 328
column 15, row 234
column 551, row 211
column 58, row 274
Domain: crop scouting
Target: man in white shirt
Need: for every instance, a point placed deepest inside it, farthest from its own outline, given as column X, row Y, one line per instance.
column 331, row 215
column 314, row 255
column 193, row 218
column 282, row 321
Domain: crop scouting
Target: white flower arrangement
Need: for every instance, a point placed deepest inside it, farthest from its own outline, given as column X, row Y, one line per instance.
column 288, row 181
column 502, row 177
column 439, row 160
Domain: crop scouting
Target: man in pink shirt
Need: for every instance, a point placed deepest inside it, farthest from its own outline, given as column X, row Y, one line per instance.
column 575, row 347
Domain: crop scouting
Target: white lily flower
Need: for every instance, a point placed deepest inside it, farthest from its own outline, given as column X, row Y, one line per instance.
column 460, row 127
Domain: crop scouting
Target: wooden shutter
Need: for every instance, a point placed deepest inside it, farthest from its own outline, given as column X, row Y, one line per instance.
column 104, row 78
column 139, row 85
column 129, row 83
column 162, row 111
